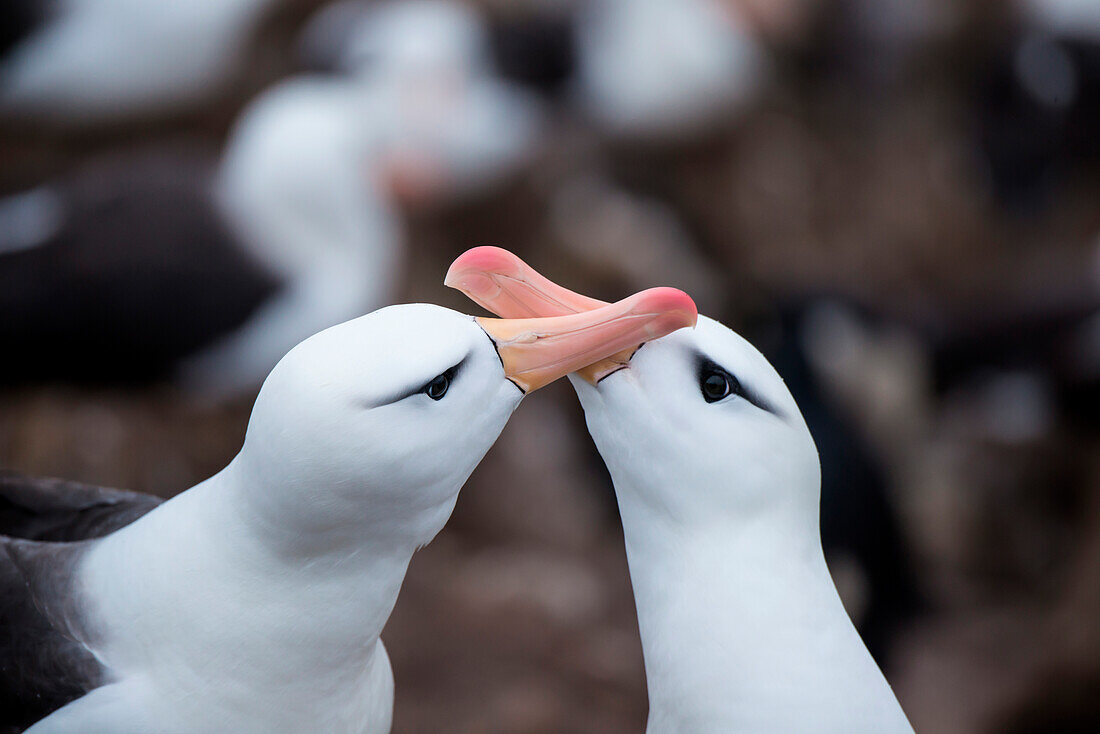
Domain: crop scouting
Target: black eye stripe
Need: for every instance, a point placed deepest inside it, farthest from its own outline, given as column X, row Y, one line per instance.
column 722, row 384
column 716, row 383
column 437, row 388
column 410, row 391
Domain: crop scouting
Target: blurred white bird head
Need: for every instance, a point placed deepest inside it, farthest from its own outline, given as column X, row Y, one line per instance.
column 446, row 125
column 664, row 69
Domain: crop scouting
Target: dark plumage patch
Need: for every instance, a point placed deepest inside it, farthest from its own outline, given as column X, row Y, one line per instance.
column 36, row 508
column 43, row 666
column 19, row 18
column 142, row 272
column 705, row 366
column 535, row 49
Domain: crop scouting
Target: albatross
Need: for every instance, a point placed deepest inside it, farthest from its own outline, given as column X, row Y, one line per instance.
column 93, row 62
column 718, row 484
column 254, row 601
column 211, row 271
column 167, row 263
column 457, row 127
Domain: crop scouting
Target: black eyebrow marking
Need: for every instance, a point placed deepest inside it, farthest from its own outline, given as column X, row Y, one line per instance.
column 705, row 364
column 415, row 388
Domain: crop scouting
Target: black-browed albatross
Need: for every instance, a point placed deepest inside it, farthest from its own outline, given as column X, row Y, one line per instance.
column 254, row 601
column 718, row 483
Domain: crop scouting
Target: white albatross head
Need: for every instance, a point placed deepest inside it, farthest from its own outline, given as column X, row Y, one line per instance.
column 705, row 433
column 448, row 126
column 664, row 69
column 377, row 422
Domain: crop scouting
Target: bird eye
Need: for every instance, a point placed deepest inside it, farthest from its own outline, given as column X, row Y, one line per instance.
column 437, row 388
column 716, row 384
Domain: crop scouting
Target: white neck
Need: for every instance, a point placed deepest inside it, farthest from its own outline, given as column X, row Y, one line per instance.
column 247, row 607
column 743, row 630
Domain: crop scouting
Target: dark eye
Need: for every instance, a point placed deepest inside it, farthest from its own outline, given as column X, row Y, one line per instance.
column 437, row 388
column 716, row 384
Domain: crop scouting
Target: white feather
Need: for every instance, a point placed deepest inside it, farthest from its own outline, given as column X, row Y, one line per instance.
column 742, row 628
column 254, row 602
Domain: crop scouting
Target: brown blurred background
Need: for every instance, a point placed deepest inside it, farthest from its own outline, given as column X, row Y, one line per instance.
column 901, row 209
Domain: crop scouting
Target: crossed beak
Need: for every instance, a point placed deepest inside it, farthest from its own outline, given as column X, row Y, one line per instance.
column 547, row 331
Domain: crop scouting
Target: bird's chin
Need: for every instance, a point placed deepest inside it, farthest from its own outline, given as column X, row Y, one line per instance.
column 581, row 385
column 590, row 392
column 511, row 394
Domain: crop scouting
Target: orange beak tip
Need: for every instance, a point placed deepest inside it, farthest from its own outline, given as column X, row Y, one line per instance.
column 677, row 309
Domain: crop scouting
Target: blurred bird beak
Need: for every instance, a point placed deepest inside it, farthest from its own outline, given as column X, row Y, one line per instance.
column 604, row 335
column 411, row 178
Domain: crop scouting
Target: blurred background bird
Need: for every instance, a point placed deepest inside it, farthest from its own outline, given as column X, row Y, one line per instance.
column 895, row 200
column 92, row 62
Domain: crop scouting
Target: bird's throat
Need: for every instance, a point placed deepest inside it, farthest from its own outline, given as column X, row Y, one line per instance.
column 738, row 633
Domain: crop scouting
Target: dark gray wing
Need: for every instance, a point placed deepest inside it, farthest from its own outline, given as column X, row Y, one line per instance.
column 21, row 18
column 142, row 272
column 43, row 666
column 60, row 510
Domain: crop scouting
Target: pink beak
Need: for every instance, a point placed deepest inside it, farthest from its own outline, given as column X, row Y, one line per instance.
column 500, row 282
